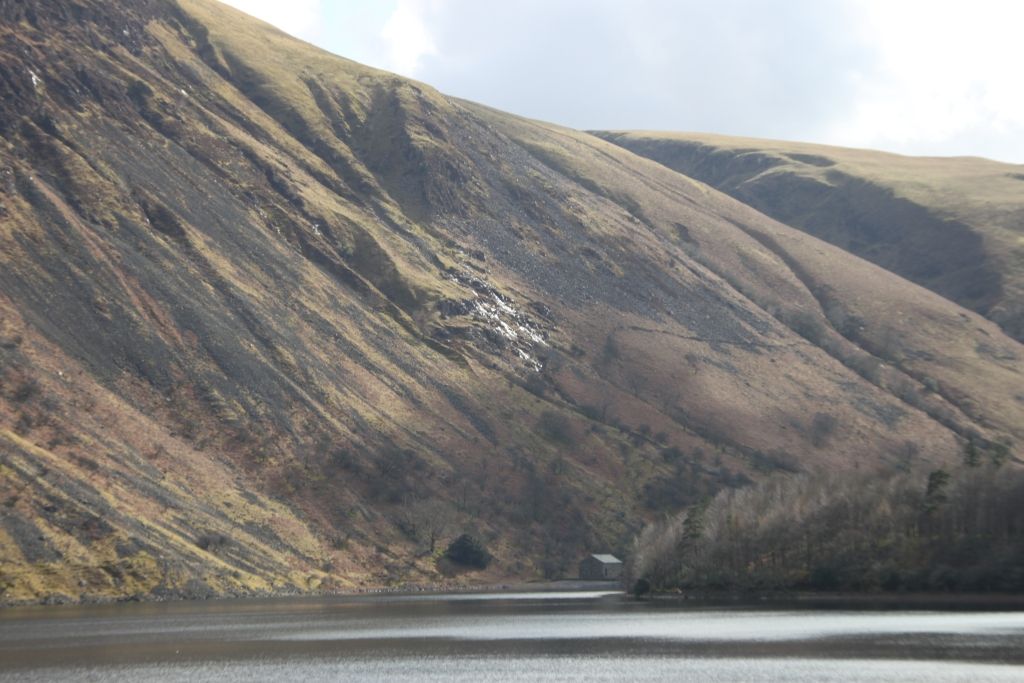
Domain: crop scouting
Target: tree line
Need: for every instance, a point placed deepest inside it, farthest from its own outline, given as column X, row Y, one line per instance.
column 956, row 530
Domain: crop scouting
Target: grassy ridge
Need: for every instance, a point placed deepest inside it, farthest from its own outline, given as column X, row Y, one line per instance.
column 950, row 224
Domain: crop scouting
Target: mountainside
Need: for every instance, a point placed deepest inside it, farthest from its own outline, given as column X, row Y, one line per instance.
column 953, row 225
column 274, row 321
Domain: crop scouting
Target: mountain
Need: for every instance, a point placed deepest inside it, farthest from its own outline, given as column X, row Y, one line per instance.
column 953, row 225
column 273, row 321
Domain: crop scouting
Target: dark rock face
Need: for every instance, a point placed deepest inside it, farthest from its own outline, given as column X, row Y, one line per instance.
column 264, row 313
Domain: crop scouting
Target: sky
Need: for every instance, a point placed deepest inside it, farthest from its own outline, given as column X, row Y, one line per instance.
column 926, row 77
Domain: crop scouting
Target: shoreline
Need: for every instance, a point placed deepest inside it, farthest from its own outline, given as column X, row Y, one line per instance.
column 794, row 599
column 566, row 585
column 840, row 600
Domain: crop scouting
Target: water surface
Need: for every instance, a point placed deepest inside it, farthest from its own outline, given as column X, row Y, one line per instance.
column 496, row 637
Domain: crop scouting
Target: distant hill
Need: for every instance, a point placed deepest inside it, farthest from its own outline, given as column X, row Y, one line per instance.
column 953, row 225
column 273, row 321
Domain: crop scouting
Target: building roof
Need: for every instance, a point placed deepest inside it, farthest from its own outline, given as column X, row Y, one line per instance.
column 607, row 559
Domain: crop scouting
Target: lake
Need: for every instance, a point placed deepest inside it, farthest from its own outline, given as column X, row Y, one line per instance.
column 504, row 636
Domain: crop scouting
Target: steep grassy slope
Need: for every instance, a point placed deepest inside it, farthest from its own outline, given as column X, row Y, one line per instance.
column 954, row 225
column 271, row 320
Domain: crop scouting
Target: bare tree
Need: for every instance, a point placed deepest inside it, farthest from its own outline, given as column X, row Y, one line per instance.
column 427, row 521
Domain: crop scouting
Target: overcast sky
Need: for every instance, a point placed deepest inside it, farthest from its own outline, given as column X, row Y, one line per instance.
column 933, row 77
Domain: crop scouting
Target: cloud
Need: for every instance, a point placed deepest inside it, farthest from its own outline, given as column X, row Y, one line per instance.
column 300, row 18
column 946, row 79
column 731, row 66
column 916, row 76
column 407, row 38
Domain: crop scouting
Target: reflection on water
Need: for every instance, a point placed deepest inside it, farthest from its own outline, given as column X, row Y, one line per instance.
column 550, row 669
column 495, row 637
